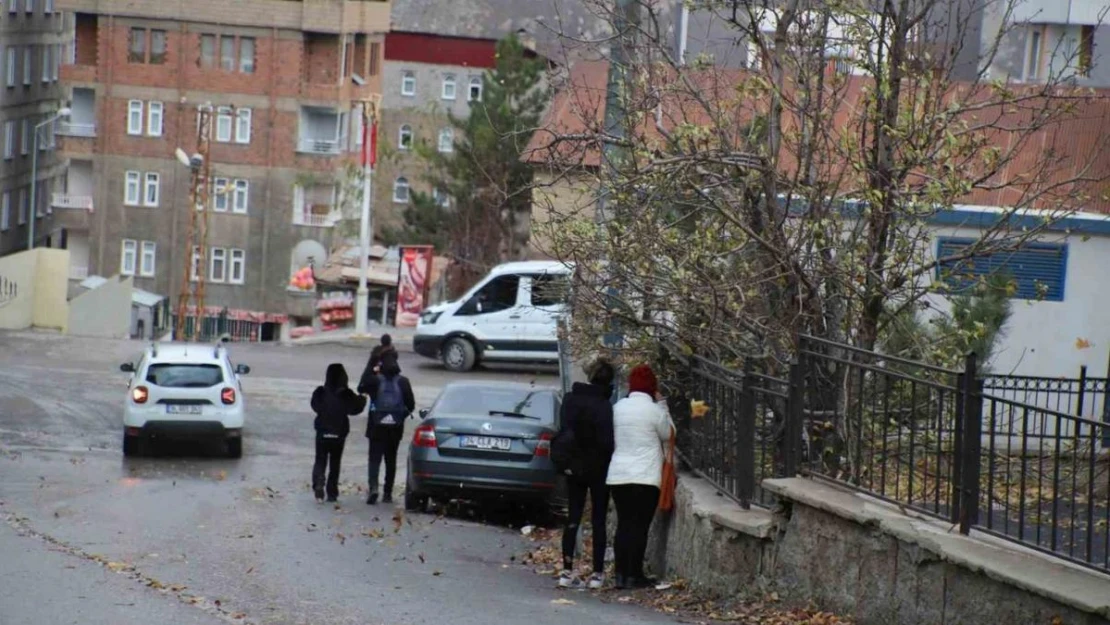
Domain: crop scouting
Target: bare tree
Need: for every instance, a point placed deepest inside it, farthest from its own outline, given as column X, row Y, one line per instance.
column 795, row 195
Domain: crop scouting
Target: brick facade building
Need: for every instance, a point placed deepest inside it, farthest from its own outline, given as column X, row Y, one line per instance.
column 33, row 34
column 281, row 77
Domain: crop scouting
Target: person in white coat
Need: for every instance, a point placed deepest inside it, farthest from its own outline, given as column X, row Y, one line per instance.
column 641, row 426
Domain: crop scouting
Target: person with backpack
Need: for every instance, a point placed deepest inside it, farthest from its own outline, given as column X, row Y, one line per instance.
column 378, row 356
column 393, row 403
column 581, row 451
column 334, row 403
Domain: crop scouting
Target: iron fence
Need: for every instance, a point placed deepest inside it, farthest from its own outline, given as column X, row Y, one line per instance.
column 951, row 444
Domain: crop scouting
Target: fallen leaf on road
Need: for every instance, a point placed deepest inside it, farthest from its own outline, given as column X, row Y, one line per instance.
column 437, row 573
column 221, row 476
column 342, row 539
column 238, row 616
column 421, row 556
column 398, row 520
column 311, row 527
column 118, row 566
column 562, row 602
column 664, row 586
column 250, row 570
column 178, row 587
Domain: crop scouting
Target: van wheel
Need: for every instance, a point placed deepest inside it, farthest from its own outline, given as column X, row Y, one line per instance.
column 459, row 355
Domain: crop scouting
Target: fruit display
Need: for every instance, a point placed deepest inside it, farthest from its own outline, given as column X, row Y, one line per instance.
column 333, row 308
column 303, row 280
column 298, row 332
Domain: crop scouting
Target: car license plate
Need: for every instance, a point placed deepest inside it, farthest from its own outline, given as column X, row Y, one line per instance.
column 182, row 409
column 487, row 442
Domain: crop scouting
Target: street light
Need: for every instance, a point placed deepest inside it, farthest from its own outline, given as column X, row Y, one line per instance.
column 62, row 112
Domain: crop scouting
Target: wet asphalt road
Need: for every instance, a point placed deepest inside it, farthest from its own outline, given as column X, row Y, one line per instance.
column 189, row 537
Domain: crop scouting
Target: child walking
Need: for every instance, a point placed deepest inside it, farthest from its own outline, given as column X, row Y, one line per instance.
column 334, row 403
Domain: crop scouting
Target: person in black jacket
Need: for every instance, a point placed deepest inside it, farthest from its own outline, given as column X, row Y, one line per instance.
column 394, row 402
column 378, row 357
column 334, row 403
column 587, row 430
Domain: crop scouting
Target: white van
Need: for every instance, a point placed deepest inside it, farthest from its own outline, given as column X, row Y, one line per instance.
column 511, row 315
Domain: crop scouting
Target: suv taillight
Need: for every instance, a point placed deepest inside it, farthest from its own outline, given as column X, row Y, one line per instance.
column 227, row 396
column 140, row 394
column 425, row 436
column 543, row 448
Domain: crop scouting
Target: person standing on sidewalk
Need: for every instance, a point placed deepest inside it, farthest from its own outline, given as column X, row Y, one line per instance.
column 581, row 451
column 334, row 403
column 641, row 426
column 394, row 402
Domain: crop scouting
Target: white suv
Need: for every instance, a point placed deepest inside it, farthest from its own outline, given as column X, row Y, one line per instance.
column 184, row 390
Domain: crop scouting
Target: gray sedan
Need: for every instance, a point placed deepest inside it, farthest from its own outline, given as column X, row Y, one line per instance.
column 485, row 440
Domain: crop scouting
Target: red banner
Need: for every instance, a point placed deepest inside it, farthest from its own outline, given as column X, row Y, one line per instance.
column 412, row 284
column 369, row 143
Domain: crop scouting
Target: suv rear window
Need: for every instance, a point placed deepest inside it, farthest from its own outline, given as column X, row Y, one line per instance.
column 170, row 375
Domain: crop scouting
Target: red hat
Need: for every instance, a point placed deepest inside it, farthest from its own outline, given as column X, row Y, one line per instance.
column 642, row 380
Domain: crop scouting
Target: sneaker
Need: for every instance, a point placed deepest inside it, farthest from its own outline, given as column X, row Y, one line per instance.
column 333, row 499
column 597, row 581
column 319, row 496
column 372, row 499
column 387, row 499
column 569, row 581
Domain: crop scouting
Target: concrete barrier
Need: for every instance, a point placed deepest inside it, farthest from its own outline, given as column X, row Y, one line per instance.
column 853, row 555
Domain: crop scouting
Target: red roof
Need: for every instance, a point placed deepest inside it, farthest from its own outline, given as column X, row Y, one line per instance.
column 1050, row 158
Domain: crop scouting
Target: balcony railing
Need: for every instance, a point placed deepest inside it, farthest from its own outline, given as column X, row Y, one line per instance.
column 72, row 129
column 315, row 220
column 78, row 272
column 71, row 202
column 319, row 146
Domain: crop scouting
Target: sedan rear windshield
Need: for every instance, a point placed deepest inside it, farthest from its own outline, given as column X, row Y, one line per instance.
column 171, row 375
column 480, row 401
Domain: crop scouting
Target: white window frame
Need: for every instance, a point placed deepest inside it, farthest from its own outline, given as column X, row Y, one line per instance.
column 23, row 203
column 148, row 251
column 224, row 122
column 448, row 146
column 249, row 67
column 401, row 183
column 27, row 64
column 194, row 273
column 475, row 81
column 25, row 137
column 155, row 118
column 237, row 266
column 243, row 126
column 1034, row 54
column 240, row 203
column 47, row 54
column 152, row 182
column 9, row 139
column 408, row 83
column 5, row 211
column 128, row 248
column 440, row 197
column 12, row 65
column 29, row 6
column 220, row 192
column 450, row 87
column 406, row 130
column 13, row 6
column 212, row 254
column 58, row 52
column 48, row 7
column 134, row 117
column 132, row 188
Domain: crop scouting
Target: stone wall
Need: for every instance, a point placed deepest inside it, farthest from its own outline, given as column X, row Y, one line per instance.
column 857, row 557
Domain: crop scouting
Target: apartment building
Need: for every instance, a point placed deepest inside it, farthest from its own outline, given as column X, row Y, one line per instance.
column 425, row 77
column 282, row 79
column 33, row 34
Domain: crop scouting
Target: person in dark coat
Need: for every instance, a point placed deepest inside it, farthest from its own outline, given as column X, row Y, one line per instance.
column 586, row 430
column 394, row 402
column 378, row 356
column 334, row 403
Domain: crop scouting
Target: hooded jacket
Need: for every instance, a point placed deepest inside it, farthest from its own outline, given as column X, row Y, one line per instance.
column 379, row 356
column 640, row 427
column 390, row 369
column 587, row 413
column 334, row 403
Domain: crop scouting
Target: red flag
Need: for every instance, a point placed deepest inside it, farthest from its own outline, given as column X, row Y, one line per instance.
column 370, row 144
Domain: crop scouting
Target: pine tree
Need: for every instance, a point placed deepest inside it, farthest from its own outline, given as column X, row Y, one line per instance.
column 487, row 220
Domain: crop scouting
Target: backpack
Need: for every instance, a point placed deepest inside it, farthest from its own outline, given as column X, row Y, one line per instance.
column 389, row 404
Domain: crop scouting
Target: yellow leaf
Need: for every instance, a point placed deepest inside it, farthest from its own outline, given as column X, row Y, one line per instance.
column 1082, row 343
column 118, row 566
column 698, row 408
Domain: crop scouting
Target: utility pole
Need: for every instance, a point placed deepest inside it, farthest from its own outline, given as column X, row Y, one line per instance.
column 370, row 107
column 625, row 22
column 196, row 229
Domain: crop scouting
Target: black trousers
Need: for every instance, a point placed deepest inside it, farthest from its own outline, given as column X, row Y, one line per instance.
column 384, row 442
column 636, row 504
column 329, row 454
column 577, row 492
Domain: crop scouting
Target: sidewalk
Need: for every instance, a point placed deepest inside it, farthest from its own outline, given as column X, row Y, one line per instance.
column 402, row 338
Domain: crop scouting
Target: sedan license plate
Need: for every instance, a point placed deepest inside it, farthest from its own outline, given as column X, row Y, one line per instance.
column 486, row 442
column 182, row 409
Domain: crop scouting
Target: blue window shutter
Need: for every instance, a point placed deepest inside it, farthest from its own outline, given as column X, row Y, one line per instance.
column 1038, row 269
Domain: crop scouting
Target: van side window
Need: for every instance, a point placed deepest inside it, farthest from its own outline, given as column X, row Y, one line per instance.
column 497, row 295
column 549, row 290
